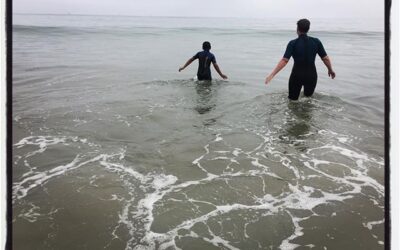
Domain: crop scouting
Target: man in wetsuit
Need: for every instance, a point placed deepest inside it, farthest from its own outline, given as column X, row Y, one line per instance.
column 304, row 73
column 205, row 59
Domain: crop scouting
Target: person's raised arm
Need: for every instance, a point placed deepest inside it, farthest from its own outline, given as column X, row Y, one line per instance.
column 328, row 65
column 219, row 71
column 281, row 64
column 186, row 64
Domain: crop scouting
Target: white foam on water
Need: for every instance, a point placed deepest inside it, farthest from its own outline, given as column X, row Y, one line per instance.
column 32, row 214
column 327, row 132
column 236, row 152
column 22, row 188
column 115, row 197
column 146, row 205
column 157, row 185
column 41, row 141
column 164, row 184
column 359, row 175
column 124, row 220
column 197, row 162
column 299, row 196
column 346, row 152
column 218, row 138
column 79, row 122
column 222, row 152
column 370, row 224
column 116, row 167
column 296, row 199
column 225, row 158
column 120, row 118
column 285, row 244
column 162, row 181
column 218, row 241
column 17, row 118
column 145, row 213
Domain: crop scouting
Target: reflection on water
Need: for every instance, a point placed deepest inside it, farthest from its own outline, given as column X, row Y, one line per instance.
column 299, row 118
column 204, row 101
column 298, row 123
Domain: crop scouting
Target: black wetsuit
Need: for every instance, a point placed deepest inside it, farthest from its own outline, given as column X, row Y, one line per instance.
column 304, row 73
column 205, row 58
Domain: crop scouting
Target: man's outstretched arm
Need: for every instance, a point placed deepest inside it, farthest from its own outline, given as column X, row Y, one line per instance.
column 281, row 64
column 328, row 64
column 186, row 64
column 219, row 71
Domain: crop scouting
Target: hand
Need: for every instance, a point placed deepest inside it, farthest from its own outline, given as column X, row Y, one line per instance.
column 180, row 69
column 332, row 74
column 268, row 79
column 224, row 76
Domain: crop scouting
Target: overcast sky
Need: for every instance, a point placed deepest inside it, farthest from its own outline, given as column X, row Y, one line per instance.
column 206, row 8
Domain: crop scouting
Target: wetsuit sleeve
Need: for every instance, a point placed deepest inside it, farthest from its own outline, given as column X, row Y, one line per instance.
column 196, row 56
column 321, row 50
column 213, row 60
column 289, row 51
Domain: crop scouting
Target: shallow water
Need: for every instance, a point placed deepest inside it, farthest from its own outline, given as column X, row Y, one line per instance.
column 107, row 155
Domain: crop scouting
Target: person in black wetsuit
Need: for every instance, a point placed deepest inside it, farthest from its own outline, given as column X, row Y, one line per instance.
column 304, row 73
column 205, row 59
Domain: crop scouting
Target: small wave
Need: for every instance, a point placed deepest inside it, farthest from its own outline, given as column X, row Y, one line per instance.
column 44, row 29
column 70, row 30
column 194, row 82
column 157, row 31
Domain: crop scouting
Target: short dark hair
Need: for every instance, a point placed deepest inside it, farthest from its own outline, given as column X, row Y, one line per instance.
column 206, row 45
column 303, row 25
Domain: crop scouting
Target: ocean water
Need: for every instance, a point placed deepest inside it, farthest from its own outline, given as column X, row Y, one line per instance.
column 113, row 148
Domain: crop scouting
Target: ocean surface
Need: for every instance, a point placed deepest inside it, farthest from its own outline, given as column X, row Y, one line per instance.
column 113, row 148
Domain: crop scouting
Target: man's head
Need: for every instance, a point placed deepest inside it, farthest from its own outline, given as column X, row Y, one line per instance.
column 206, row 46
column 303, row 25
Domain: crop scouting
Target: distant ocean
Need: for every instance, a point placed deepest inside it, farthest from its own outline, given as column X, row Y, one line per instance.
column 113, row 148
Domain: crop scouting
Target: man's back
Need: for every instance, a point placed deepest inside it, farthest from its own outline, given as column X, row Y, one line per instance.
column 304, row 73
column 304, row 50
column 205, row 58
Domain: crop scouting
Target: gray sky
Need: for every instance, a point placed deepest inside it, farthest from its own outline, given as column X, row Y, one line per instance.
column 215, row 8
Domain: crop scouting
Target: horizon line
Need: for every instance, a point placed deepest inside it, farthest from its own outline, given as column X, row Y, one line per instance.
column 167, row 16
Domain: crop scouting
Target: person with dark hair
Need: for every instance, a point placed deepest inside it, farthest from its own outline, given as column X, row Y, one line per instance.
column 304, row 73
column 205, row 59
